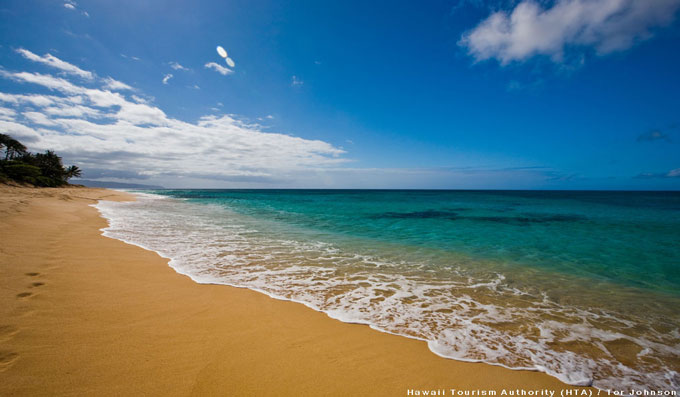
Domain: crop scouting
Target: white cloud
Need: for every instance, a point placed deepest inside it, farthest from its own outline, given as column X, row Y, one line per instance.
column 57, row 63
column 7, row 114
column 130, row 57
column 100, row 129
column 38, row 118
column 529, row 29
column 167, row 78
column 116, row 85
column 61, row 84
column 72, row 110
column 296, row 82
column 219, row 68
column 19, row 131
column 72, row 5
column 51, row 82
column 177, row 66
column 36, row 100
column 139, row 99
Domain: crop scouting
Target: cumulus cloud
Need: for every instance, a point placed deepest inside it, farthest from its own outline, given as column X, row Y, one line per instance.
column 167, row 78
column 115, row 85
column 218, row 68
column 530, row 29
column 139, row 99
column 57, row 63
column 177, row 66
column 101, row 129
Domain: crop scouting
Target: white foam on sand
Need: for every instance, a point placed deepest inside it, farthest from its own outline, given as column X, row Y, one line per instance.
column 460, row 317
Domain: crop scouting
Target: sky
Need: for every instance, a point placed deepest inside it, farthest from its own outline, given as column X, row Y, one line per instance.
column 460, row 94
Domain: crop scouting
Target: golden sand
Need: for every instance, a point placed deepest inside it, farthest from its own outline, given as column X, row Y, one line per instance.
column 82, row 314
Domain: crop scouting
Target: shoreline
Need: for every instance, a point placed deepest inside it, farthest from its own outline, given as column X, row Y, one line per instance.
column 135, row 318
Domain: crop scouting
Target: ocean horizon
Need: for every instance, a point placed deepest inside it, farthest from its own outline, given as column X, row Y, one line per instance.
column 581, row 285
column 470, row 181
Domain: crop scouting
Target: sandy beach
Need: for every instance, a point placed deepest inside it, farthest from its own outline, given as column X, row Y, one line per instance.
column 82, row 314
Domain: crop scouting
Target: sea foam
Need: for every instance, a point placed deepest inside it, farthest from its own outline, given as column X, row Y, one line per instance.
column 478, row 316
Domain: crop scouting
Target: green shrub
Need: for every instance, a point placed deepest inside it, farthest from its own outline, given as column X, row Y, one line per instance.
column 40, row 169
column 22, row 172
column 48, row 182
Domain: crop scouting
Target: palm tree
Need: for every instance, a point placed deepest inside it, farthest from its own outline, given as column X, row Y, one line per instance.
column 72, row 172
column 40, row 169
column 13, row 148
column 50, row 164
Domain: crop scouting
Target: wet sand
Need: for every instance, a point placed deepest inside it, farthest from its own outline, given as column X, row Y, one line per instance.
column 82, row 314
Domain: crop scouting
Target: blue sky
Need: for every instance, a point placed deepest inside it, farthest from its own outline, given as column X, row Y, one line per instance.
column 562, row 94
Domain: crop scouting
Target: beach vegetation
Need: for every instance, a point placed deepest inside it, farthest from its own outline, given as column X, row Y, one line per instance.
column 12, row 147
column 38, row 169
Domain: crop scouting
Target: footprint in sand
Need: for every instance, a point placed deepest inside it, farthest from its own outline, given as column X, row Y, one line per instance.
column 37, row 284
column 24, row 294
column 7, row 332
column 32, row 274
column 22, row 311
column 7, row 357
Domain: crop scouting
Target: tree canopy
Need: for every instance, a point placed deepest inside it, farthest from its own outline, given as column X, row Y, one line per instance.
column 39, row 169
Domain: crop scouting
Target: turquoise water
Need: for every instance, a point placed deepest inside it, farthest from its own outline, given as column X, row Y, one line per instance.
column 581, row 285
column 631, row 238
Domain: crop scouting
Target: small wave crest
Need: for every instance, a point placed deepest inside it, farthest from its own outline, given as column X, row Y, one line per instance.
column 480, row 315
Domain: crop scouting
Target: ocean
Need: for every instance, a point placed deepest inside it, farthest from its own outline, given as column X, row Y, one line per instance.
column 581, row 285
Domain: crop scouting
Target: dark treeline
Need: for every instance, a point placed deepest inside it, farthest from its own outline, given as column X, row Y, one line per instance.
column 39, row 169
